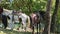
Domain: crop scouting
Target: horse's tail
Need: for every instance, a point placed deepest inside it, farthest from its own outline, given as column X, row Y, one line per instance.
column 28, row 22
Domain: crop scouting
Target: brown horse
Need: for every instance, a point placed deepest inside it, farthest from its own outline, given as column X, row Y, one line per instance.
column 36, row 18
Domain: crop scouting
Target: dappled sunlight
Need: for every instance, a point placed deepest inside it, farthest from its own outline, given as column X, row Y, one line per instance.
column 1, row 32
column 7, row 31
column 34, row 0
column 38, row 1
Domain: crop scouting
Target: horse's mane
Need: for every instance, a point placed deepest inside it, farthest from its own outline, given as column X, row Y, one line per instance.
column 42, row 13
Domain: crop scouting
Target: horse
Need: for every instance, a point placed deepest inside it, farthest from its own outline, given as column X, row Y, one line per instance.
column 10, row 21
column 23, row 18
column 3, row 18
column 7, row 14
column 36, row 18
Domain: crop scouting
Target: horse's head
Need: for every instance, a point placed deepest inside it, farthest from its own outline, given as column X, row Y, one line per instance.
column 1, row 10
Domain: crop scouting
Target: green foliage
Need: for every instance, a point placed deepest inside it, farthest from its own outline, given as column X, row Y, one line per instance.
column 24, row 4
column 27, row 5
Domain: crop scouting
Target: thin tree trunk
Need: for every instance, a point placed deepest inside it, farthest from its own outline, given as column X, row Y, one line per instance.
column 54, row 17
column 48, row 18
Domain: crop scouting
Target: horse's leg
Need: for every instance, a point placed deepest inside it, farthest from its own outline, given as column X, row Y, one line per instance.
column 22, row 26
column 4, row 21
column 25, row 27
column 33, row 29
column 5, row 24
column 37, row 28
column 40, row 29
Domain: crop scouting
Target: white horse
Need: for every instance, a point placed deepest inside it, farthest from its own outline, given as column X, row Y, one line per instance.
column 9, row 13
column 24, row 18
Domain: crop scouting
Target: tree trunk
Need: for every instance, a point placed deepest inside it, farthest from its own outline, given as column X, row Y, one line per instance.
column 54, row 17
column 48, row 18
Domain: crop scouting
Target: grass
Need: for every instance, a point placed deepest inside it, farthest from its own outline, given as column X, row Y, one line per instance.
column 5, row 31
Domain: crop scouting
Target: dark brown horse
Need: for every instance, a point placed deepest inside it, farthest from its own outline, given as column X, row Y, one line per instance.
column 36, row 18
